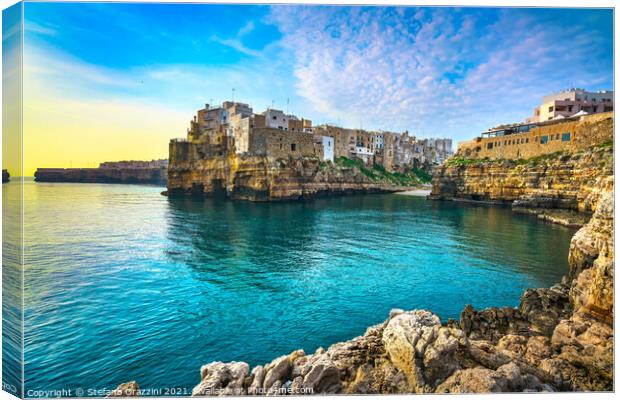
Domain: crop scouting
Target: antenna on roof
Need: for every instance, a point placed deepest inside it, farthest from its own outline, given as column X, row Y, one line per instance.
column 233, row 95
column 287, row 102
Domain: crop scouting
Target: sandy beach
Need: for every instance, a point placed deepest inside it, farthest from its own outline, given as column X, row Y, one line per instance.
column 416, row 192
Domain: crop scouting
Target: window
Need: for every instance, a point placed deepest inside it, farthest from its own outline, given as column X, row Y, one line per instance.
column 566, row 137
column 527, row 140
column 274, row 118
column 293, row 146
column 544, row 139
column 557, row 136
column 489, row 146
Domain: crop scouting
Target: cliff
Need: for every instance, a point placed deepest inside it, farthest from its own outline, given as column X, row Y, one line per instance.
column 154, row 176
column 558, row 181
column 558, row 339
column 259, row 178
column 565, row 180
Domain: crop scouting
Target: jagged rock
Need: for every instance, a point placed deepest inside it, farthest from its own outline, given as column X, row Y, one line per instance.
column 473, row 380
column 218, row 378
column 321, row 376
column 277, row 370
column 258, row 376
column 129, row 389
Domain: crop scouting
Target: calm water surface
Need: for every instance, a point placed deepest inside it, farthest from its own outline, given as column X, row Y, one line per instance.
column 125, row 284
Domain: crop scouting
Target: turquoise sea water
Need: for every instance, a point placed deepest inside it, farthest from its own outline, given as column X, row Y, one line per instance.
column 123, row 284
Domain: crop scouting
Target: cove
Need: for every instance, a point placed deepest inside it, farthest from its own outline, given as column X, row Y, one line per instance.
column 126, row 284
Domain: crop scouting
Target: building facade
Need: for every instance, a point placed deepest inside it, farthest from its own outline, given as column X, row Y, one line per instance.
column 571, row 102
column 540, row 139
column 234, row 127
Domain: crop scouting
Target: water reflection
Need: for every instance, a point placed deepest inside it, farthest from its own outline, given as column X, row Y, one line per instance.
column 11, row 287
column 128, row 284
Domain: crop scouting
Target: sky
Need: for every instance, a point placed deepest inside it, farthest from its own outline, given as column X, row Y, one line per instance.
column 106, row 81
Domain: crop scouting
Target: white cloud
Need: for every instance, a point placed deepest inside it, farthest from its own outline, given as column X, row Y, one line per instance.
column 437, row 70
column 236, row 45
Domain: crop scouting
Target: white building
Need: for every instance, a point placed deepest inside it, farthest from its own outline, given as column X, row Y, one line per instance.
column 364, row 153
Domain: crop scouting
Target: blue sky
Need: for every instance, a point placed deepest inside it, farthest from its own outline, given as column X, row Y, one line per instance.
column 434, row 71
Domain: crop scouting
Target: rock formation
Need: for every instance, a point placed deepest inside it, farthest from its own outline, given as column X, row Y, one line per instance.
column 559, row 181
column 258, row 178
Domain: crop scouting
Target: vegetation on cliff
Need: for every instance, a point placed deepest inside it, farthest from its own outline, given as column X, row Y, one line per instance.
column 459, row 160
column 378, row 173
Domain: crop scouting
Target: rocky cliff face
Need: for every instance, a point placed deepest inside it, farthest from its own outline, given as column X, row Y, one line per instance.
column 558, row 339
column 262, row 178
column 558, row 181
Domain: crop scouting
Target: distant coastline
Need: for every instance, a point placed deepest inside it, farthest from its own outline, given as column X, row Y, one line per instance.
column 127, row 172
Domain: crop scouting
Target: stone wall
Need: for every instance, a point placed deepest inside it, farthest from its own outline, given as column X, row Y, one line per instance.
column 277, row 143
column 572, row 135
column 558, row 180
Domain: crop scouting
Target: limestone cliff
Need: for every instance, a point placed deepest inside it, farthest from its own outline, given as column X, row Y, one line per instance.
column 559, row 181
column 259, row 178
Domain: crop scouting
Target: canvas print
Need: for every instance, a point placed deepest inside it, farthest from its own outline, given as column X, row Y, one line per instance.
column 306, row 199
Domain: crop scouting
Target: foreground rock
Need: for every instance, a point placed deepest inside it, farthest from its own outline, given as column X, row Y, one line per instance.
column 558, row 339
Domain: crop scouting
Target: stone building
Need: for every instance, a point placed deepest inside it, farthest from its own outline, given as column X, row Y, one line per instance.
column 531, row 140
column 234, row 127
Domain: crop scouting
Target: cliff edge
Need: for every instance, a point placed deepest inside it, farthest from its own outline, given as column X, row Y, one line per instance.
column 261, row 178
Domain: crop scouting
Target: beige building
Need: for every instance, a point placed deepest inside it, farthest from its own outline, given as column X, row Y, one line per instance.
column 570, row 102
column 526, row 141
column 233, row 127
